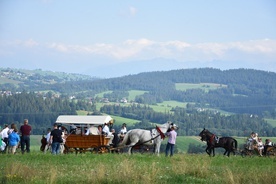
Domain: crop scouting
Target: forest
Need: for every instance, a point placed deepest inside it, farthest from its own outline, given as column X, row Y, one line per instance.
column 249, row 94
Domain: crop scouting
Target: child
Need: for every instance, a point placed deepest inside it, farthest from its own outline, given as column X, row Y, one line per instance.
column 13, row 141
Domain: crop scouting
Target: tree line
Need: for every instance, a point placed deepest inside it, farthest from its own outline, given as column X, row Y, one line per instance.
column 41, row 110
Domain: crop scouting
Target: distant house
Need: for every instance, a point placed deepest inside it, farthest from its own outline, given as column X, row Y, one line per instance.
column 124, row 100
column 105, row 100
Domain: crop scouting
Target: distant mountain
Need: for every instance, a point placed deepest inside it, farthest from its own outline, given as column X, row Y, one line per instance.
column 158, row 64
column 10, row 75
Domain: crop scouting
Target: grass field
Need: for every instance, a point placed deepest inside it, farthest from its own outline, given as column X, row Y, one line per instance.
column 167, row 106
column 204, row 86
column 131, row 96
column 272, row 122
column 120, row 120
column 40, row 168
column 134, row 93
column 100, row 95
column 10, row 81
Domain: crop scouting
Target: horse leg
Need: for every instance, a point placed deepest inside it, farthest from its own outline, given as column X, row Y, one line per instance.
column 157, row 148
column 130, row 146
column 207, row 150
column 213, row 148
column 234, row 153
column 228, row 153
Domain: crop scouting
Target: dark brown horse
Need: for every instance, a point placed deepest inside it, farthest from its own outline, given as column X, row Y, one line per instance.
column 228, row 143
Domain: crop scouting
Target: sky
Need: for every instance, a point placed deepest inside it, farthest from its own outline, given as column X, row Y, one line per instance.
column 112, row 38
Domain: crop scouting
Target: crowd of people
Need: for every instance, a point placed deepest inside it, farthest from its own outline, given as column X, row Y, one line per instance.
column 12, row 138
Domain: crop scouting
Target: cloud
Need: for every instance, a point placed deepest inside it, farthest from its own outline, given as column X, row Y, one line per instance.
column 128, row 12
column 132, row 11
column 149, row 49
column 30, row 43
column 253, row 46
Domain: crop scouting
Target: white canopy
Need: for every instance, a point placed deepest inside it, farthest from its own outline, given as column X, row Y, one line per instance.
column 89, row 120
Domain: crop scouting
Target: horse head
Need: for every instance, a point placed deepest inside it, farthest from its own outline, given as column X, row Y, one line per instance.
column 166, row 127
column 203, row 134
column 173, row 125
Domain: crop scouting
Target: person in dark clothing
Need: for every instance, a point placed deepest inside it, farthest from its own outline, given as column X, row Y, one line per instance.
column 56, row 139
column 115, row 140
column 25, row 136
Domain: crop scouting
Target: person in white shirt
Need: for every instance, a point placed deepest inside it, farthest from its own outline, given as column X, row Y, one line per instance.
column 171, row 141
column 123, row 129
column 106, row 131
column 48, row 145
column 260, row 145
column 5, row 136
column 87, row 131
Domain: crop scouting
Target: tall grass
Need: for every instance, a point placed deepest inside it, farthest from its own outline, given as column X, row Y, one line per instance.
column 37, row 167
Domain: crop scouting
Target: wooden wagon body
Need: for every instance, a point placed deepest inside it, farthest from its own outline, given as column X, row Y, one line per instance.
column 83, row 143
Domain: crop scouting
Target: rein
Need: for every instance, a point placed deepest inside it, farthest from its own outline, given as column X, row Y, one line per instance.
column 160, row 134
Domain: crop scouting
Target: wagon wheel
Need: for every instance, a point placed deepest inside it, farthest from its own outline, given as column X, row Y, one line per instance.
column 141, row 149
column 103, row 149
column 243, row 153
column 271, row 151
column 66, row 149
column 247, row 152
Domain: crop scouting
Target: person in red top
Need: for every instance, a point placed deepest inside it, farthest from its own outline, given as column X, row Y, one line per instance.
column 25, row 136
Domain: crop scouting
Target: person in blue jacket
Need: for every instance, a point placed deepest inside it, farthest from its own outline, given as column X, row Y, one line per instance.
column 13, row 141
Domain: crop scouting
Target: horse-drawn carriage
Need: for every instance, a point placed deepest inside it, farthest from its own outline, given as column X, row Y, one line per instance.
column 250, row 148
column 77, row 140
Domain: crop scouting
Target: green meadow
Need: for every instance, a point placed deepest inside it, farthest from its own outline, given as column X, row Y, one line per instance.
column 272, row 122
column 37, row 167
column 204, row 86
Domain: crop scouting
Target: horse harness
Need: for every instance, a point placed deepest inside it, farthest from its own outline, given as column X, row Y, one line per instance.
column 213, row 138
column 160, row 134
